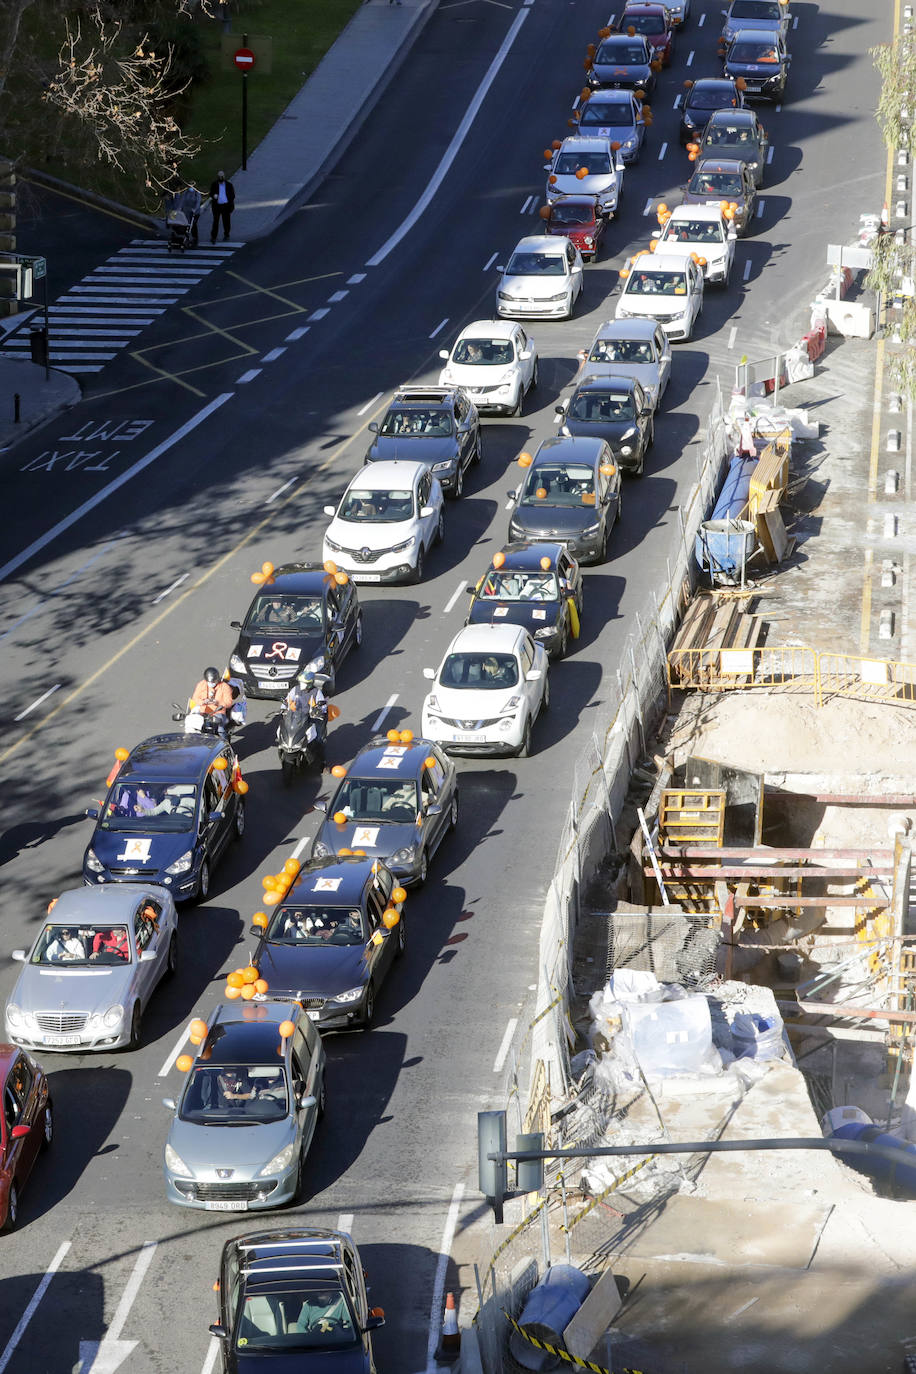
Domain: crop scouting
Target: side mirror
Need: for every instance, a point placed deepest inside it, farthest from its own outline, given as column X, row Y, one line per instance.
column 20, row 1132
column 320, row 804
column 308, row 1103
column 256, row 931
column 512, row 495
column 534, row 675
column 18, row 955
column 235, row 624
column 582, row 354
column 147, row 956
column 443, row 354
column 429, row 674
column 427, row 511
column 471, row 591
column 218, row 1331
column 373, row 426
column 169, row 1102
column 92, row 813
column 524, row 355
column 656, row 235
column 500, row 267
column 547, row 166
column 329, row 510
column 561, row 408
column 177, row 715
column 433, row 809
column 375, row 1319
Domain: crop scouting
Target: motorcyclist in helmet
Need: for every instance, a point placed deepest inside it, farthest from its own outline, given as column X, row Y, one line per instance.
column 212, row 698
column 306, row 695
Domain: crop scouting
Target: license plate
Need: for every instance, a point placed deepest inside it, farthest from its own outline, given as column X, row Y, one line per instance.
column 461, row 737
column 63, row 1039
column 226, row 1206
column 314, row 1015
column 366, row 577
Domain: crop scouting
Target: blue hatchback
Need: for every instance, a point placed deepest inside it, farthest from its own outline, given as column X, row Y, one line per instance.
column 169, row 815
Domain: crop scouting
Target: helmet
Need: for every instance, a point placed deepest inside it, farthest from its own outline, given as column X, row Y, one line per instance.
column 211, row 675
column 307, row 679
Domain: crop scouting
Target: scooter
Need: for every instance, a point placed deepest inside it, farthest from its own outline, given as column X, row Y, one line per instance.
column 219, row 723
column 301, row 737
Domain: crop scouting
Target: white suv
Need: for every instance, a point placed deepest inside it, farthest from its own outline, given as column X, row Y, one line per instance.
column 495, row 363
column 487, row 692
column 663, row 287
column 388, row 520
column 703, row 231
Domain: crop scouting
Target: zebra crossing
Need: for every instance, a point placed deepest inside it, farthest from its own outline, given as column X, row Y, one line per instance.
column 105, row 312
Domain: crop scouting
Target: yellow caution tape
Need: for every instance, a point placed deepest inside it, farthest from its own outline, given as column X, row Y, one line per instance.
column 563, row 1354
column 610, row 1189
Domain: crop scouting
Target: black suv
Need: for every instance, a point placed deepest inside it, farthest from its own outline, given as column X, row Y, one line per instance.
column 299, row 1297
column 436, row 425
column 171, row 810
column 333, row 940
column 304, row 617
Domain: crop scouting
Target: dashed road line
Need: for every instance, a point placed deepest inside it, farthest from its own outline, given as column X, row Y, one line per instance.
column 690, row 57
column 369, row 404
column 337, row 297
column 174, row 1053
column 319, row 314
column 747, row 270
column 273, row 355
column 379, row 719
column 170, row 588
column 445, row 1249
column 761, row 207
column 648, row 207
column 527, row 203
column 439, row 327
column 345, row 1223
column 489, row 262
column 297, row 333
column 249, row 376
column 280, row 491
column 505, row 1044
column 35, row 1299
column 455, row 597
column 770, row 153
column 36, row 703
column 732, row 336
column 356, row 278
column 662, row 151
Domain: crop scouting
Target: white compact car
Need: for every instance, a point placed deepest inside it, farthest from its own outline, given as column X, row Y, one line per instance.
column 663, row 287
column 543, row 278
column 495, row 363
column 586, row 167
column 703, row 230
column 487, row 692
column 388, row 520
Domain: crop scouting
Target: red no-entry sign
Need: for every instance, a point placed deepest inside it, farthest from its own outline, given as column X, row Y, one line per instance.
column 244, row 59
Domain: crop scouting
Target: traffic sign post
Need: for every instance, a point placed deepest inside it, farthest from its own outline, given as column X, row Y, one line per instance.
column 244, row 60
column 27, row 271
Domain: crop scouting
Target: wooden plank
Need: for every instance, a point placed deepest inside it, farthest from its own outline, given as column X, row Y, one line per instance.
column 700, row 851
column 712, row 873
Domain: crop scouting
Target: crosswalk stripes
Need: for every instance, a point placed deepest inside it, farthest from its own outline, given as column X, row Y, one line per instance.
column 116, row 301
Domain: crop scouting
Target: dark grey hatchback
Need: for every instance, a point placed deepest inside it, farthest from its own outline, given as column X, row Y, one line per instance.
column 571, row 494
column 615, row 409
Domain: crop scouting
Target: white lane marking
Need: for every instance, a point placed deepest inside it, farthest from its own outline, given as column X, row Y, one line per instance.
column 778, row 108
column 36, row 1298
column 369, row 404
column 299, row 847
column 273, row 355
column 795, row 22
column 648, row 209
column 445, row 1246
column 770, row 154
column 732, row 336
column 677, row 103
column 510, row 503
column 451, row 151
column 489, row 262
column 131, row 1289
column 356, row 278
column 37, row 702
column 377, row 723
column 279, row 491
column 455, row 596
column 527, row 203
column 174, row 1053
column 690, row 57
column 761, row 206
column 212, row 1356
column 345, row 1223
column 115, row 485
column 100, row 553
column 291, row 338
column 505, row 1043
column 439, row 328
column 702, row 20
column 177, row 583
column 319, row 314
column 248, row 376
column 662, row 151
column 747, row 269
column 337, row 297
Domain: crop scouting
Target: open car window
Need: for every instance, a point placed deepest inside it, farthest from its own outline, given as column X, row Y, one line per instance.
column 82, row 946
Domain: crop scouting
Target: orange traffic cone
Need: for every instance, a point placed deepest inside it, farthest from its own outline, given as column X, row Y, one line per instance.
column 450, row 1340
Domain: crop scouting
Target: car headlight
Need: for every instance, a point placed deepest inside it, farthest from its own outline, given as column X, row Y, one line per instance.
column 515, row 530
column 13, row 1015
column 352, row 995
column 623, row 313
column 92, row 862
column 174, row 1162
column 320, row 850
column 504, row 296
column 753, row 166
column 282, row 1160
column 544, row 632
column 560, row 296
column 405, row 855
column 432, row 703
column 628, row 433
column 511, row 706
column 444, row 467
column 589, row 241
column 590, row 530
column 407, row 544
column 183, row 864
column 626, row 450
column 113, row 1017
column 236, row 664
column 629, row 145
column 317, row 665
column 337, row 548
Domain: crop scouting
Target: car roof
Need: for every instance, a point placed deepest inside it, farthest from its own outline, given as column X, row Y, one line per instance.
column 627, row 329
column 391, row 472
column 540, row 243
column 641, row 7
column 490, row 329
column 582, row 144
column 658, row 262
column 83, row 903
column 297, row 577
column 574, row 200
column 710, row 212
column 743, row 116
column 367, row 763
column 488, row 638
column 268, row 1257
column 723, row 82
column 749, row 34
column 575, row 448
column 625, row 37
column 604, row 382
column 718, row 164
column 171, row 756
column 422, row 395
column 522, row 556
column 230, row 1040
column 351, row 875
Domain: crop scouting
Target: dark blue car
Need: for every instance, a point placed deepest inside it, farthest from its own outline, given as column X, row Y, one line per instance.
column 168, row 817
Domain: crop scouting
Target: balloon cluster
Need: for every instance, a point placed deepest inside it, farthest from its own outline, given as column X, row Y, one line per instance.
column 265, row 576
column 729, row 208
column 246, row 983
column 277, row 885
column 334, row 573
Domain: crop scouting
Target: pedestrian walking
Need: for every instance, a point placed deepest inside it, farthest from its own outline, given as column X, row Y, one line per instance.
column 222, row 203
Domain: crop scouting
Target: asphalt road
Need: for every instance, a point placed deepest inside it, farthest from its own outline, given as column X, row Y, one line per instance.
column 96, row 616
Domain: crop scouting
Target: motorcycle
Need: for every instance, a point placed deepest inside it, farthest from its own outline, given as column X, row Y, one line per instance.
column 219, row 723
column 301, row 738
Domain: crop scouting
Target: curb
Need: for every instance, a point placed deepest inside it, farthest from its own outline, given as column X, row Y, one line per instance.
column 92, row 198
column 11, row 435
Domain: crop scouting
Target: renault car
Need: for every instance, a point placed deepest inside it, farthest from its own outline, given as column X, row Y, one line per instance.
column 387, row 523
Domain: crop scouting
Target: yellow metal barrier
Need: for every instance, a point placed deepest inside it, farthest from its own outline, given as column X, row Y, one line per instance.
column 866, row 679
column 793, row 668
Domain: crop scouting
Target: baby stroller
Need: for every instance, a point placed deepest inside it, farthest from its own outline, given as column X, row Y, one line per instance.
column 182, row 211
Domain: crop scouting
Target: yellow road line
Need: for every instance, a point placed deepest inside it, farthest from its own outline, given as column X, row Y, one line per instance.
column 275, row 295
column 101, row 209
column 161, row 376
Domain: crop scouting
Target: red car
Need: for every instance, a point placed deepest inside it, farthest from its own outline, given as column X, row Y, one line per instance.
column 26, row 1126
column 576, row 218
column 654, row 23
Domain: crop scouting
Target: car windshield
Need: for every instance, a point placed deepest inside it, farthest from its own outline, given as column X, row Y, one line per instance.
column 644, row 23
column 615, row 53
column 572, row 214
column 155, row 808
column 81, row 945
column 715, row 184
column 377, row 507
column 479, row 672
column 753, row 52
column 483, row 352
column 377, row 799
column 316, row 925
column 657, row 283
column 754, row 9
column 537, row 265
column 288, row 1320
column 284, row 612
column 235, row 1095
column 520, row 586
column 621, row 351
column 610, row 112
column 602, row 407
column 693, row 231
column 732, row 134
column 559, row 484
column 708, row 98
column 414, row 422
column 596, row 164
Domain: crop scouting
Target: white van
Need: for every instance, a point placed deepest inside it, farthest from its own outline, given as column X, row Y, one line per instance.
column 662, row 286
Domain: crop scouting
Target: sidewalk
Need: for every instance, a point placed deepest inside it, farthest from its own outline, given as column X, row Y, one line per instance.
column 313, row 132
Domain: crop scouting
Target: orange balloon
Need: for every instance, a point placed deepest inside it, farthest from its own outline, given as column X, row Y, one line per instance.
column 51, row 905
column 499, row 560
column 286, row 1029
column 624, row 273
column 259, row 919
column 581, row 173
column 338, row 771
column 267, row 569
column 552, row 179
column 184, row 1063
column 258, row 579
column 234, row 980
column 691, row 157
column 292, row 867
column 341, row 579
column 240, row 786
column 329, row 566
column 340, row 817
column 430, row 762
column 122, row 754
column 591, row 50
column 541, row 493
column 393, row 736
column 398, row 894
column 197, row 1030
column 272, row 898
column 359, row 853
column 545, row 564
column 390, row 918
column 249, row 974
column 406, row 736
column 548, row 153
column 260, row 986
column 333, row 711
column 232, row 992
column 220, row 764
column 247, row 992
column 345, row 853
column 524, row 460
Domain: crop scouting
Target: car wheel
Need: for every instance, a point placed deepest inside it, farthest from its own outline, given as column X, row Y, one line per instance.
column 535, row 377
column 239, row 820
column 12, row 1209
column 322, row 1098
column 563, row 642
column 400, row 938
column 358, row 631
column 545, row 699
column 47, row 1126
column 417, row 575
column 424, row 869
column 478, row 452
column 171, row 962
column 368, row 1008
column 519, row 402
column 453, row 813
column 524, row 749
column 203, row 882
column 288, row 771
column 459, row 484
column 439, row 537
column 135, row 1023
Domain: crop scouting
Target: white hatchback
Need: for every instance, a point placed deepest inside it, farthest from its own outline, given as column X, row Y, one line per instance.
column 543, row 278
column 702, row 230
column 663, row 287
column 488, row 691
column 495, row 363
column 388, row 520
